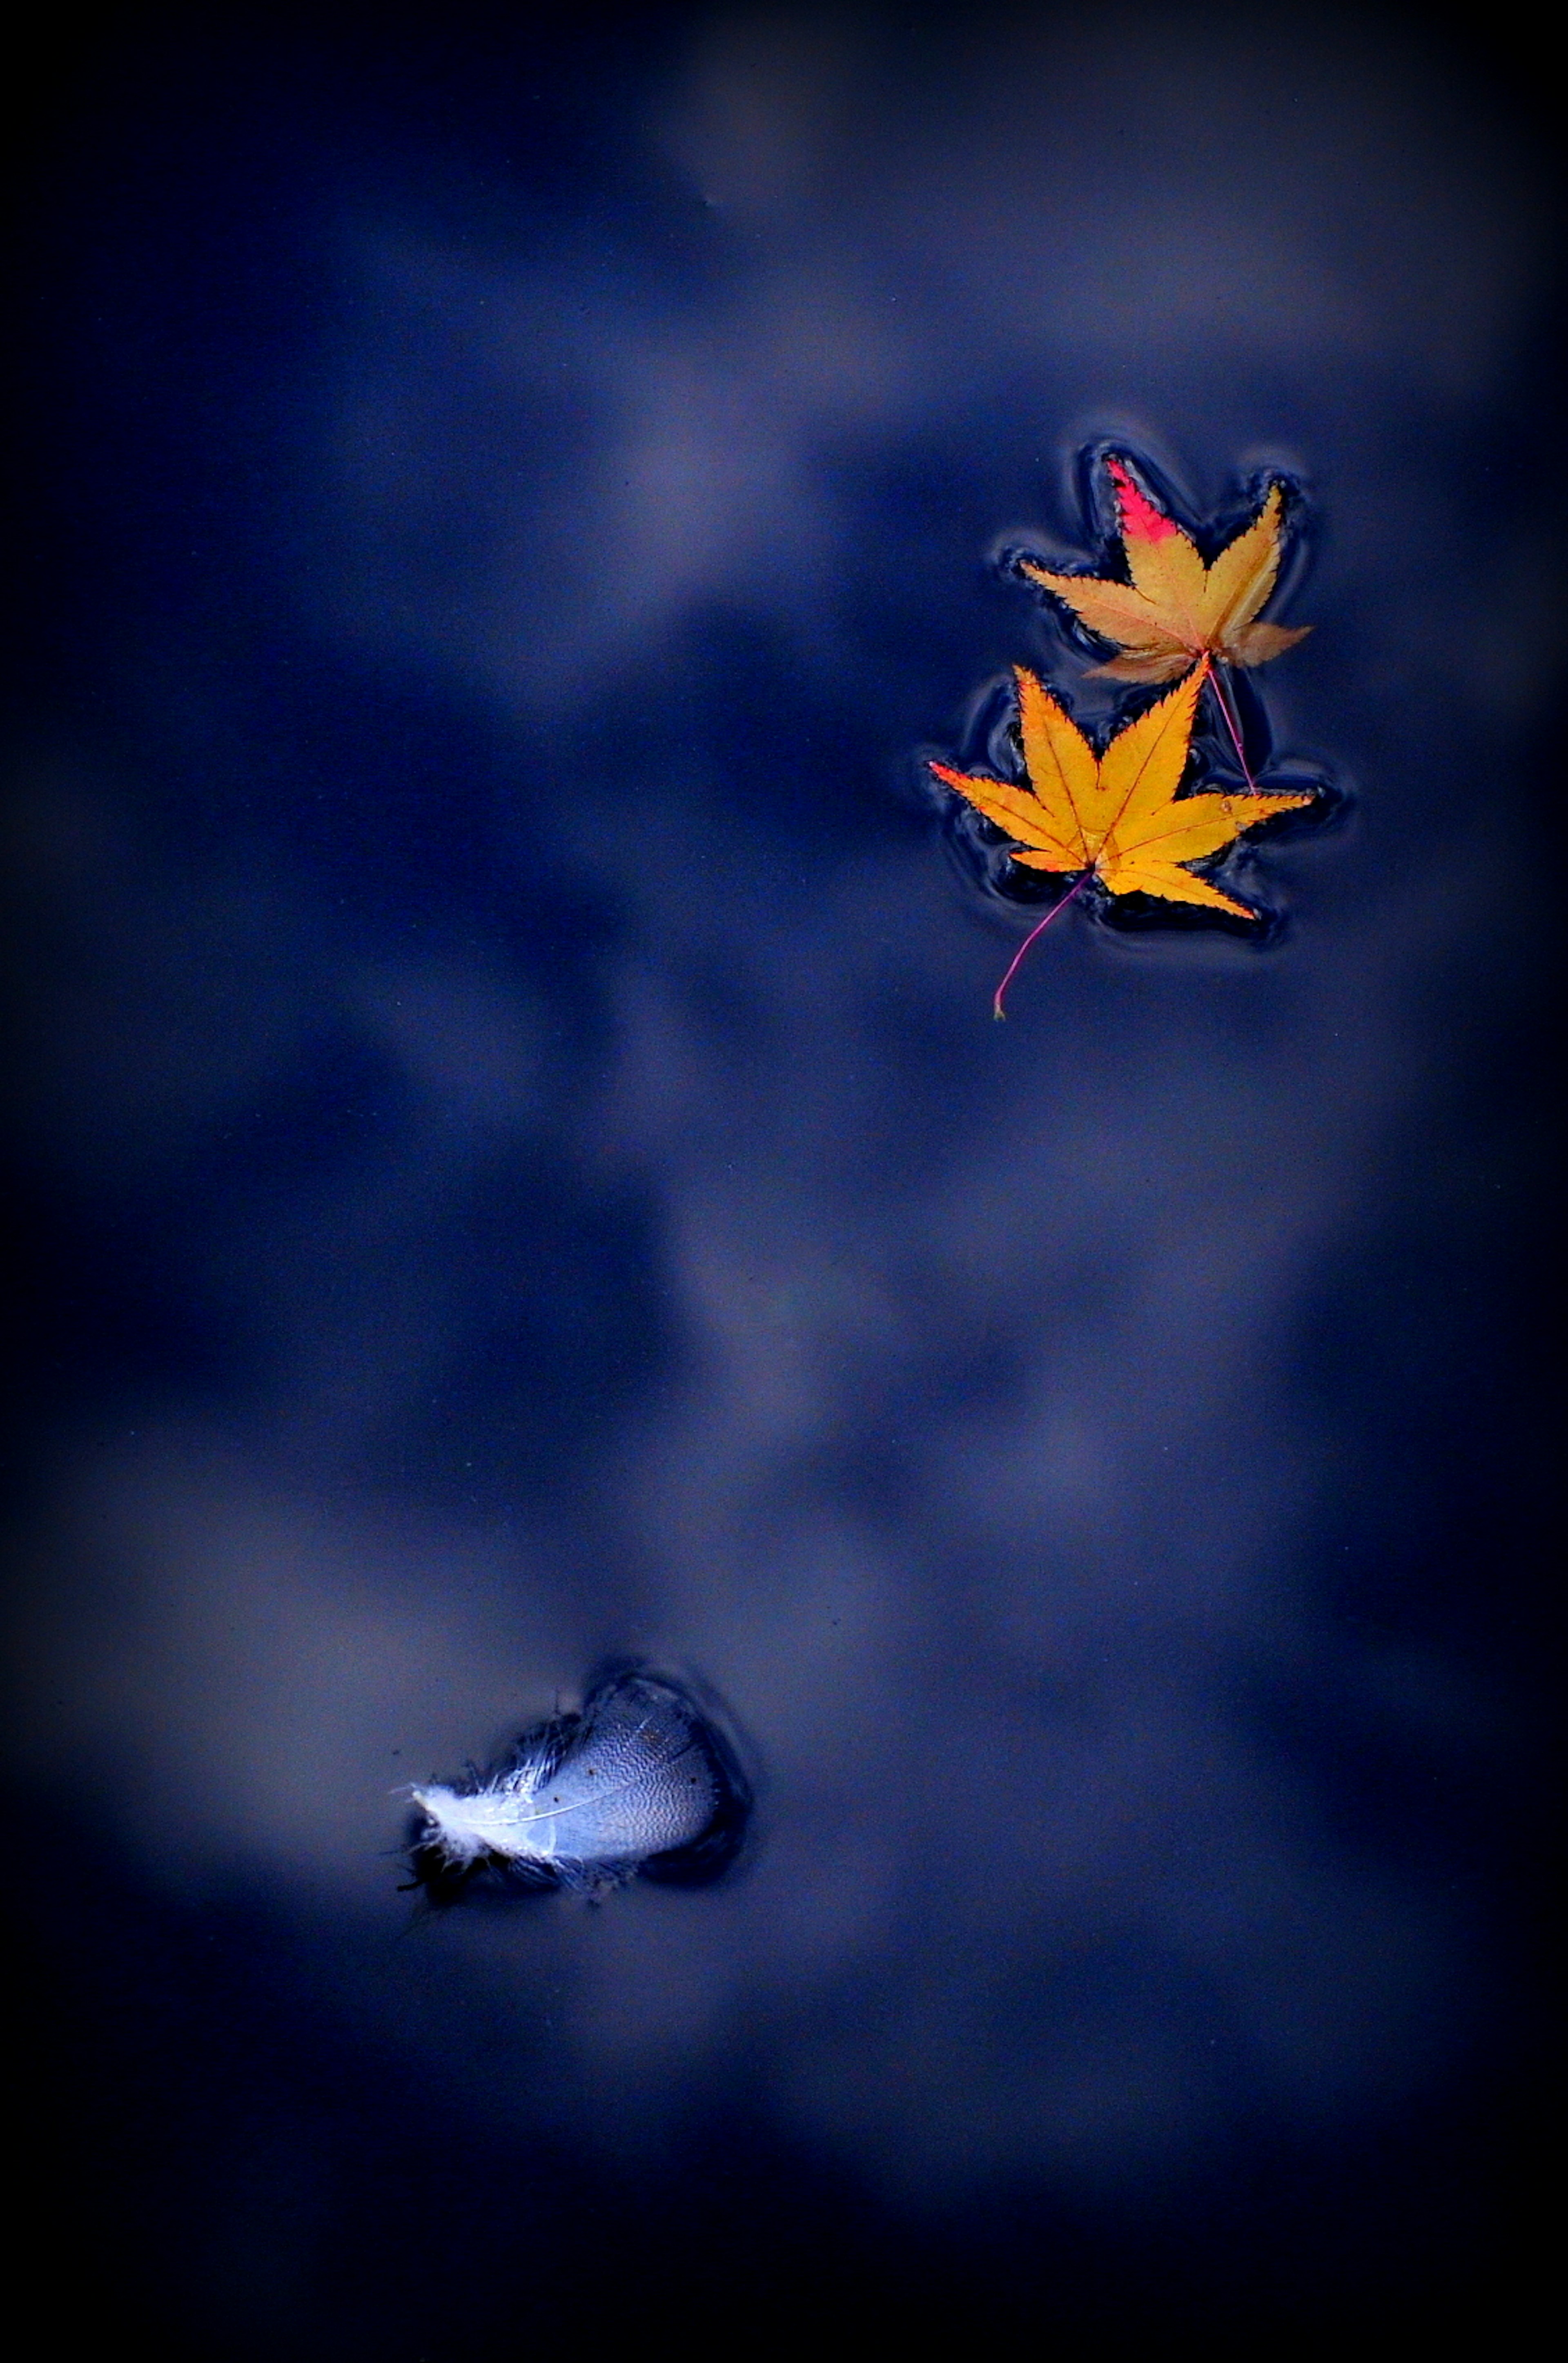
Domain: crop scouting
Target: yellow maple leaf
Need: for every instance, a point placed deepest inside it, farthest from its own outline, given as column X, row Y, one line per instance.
column 1118, row 817
column 1176, row 610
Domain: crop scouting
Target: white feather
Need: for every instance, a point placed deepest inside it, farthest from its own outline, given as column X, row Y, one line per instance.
column 589, row 1798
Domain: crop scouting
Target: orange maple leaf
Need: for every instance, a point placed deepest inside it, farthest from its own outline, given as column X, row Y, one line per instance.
column 1117, row 817
column 1176, row 610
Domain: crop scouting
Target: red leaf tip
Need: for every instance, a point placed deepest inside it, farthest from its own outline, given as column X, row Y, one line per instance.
column 1140, row 520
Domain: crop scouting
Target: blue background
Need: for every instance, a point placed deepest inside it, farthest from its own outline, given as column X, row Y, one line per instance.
column 516, row 1164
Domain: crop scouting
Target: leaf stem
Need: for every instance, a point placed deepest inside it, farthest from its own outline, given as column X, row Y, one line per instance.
column 1016, row 961
column 1212, row 676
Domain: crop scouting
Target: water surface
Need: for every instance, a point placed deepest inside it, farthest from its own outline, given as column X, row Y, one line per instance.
column 521, row 1169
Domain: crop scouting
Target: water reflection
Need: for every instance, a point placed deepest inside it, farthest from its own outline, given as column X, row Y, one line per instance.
column 525, row 1171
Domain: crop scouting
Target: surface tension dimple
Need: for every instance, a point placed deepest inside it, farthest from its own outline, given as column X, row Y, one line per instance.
column 642, row 1780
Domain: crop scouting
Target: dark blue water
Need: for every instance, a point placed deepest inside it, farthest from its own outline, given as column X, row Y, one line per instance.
column 518, row 1168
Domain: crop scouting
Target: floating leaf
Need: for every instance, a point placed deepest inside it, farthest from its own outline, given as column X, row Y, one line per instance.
column 1175, row 610
column 1116, row 818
